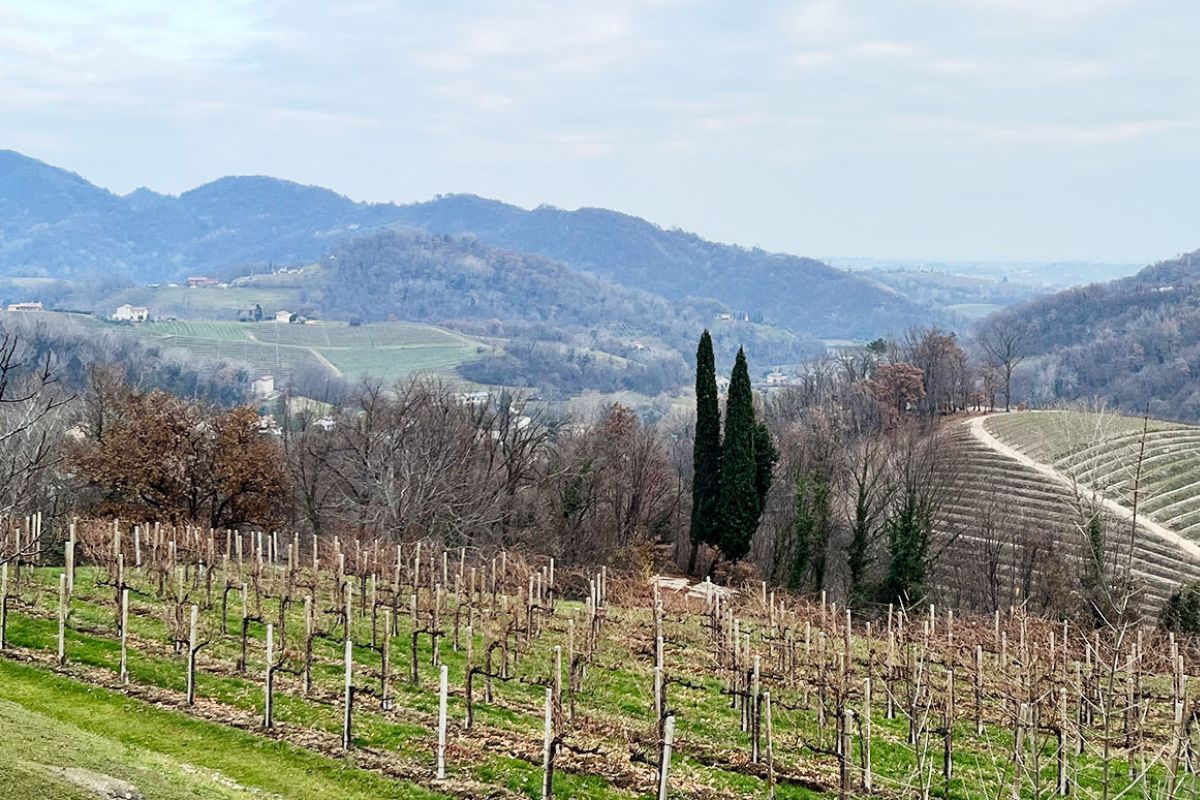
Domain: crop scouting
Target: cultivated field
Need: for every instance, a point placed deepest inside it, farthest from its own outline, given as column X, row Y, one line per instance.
column 386, row 350
column 1013, row 526
column 475, row 674
column 1109, row 453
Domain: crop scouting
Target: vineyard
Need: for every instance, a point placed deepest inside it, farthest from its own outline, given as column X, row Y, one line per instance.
column 1103, row 451
column 223, row 664
column 1013, row 525
column 386, row 351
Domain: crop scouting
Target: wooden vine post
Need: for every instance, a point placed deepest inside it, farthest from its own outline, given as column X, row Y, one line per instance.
column 443, row 694
column 548, row 747
column 385, row 662
column 308, row 636
column 123, row 672
column 770, row 736
column 63, row 610
column 664, row 766
column 191, row 655
column 348, row 702
column 867, row 780
column 269, row 682
column 3, row 604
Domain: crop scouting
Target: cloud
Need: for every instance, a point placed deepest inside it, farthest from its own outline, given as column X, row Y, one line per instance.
column 1042, row 133
column 818, row 22
column 480, row 99
column 1044, row 12
column 550, row 38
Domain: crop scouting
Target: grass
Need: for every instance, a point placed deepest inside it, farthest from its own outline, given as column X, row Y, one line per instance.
column 49, row 722
column 387, row 351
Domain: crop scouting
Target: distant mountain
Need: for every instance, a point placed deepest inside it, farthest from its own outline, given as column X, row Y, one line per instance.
column 1133, row 341
column 800, row 294
column 54, row 223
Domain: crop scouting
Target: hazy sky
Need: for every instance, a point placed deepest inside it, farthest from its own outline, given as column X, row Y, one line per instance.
column 951, row 129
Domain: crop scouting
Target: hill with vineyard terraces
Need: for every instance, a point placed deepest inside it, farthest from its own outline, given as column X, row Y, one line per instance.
column 1027, row 485
column 1102, row 451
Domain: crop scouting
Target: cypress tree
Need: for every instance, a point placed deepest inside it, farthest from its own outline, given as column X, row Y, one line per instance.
column 739, row 506
column 706, row 452
column 765, row 458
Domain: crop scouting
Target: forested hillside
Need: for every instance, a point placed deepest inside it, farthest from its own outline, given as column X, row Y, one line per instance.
column 563, row 328
column 798, row 293
column 1135, row 342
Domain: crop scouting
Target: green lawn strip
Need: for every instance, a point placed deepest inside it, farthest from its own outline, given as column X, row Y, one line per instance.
column 252, row 761
column 44, row 757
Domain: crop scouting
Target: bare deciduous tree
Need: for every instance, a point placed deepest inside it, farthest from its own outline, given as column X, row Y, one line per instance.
column 32, row 423
column 1005, row 340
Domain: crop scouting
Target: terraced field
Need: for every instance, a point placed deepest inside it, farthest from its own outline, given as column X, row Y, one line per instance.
column 1018, row 533
column 1101, row 452
column 387, row 351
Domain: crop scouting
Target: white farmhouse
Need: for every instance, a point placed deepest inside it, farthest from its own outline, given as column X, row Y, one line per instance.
column 128, row 313
column 263, row 386
column 26, row 307
column 284, row 316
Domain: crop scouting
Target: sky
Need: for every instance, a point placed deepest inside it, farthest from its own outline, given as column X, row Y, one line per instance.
column 1025, row 130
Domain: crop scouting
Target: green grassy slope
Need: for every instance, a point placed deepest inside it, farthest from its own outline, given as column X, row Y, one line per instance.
column 65, row 739
column 387, row 350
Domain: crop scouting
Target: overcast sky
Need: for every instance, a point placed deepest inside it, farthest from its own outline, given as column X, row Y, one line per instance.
column 939, row 129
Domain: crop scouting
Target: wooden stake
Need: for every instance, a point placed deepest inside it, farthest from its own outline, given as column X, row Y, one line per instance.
column 191, row 655
column 3, row 604
column 62, row 619
column 548, row 747
column 866, row 737
column 123, row 672
column 268, row 684
column 664, row 766
column 770, row 745
column 348, row 703
column 443, row 692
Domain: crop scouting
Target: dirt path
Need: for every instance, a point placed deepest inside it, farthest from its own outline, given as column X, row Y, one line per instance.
column 317, row 354
column 983, row 435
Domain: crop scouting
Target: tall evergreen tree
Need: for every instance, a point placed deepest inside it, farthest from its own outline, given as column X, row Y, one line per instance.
column 765, row 458
column 739, row 506
column 706, row 452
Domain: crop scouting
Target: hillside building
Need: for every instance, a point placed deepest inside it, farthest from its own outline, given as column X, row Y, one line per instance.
column 263, row 386
column 284, row 316
column 128, row 313
column 26, row 307
column 202, row 282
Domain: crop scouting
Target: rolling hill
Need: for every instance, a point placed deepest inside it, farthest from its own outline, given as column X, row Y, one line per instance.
column 54, row 223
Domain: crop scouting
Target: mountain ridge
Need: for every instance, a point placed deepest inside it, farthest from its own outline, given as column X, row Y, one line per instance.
column 54, row 223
